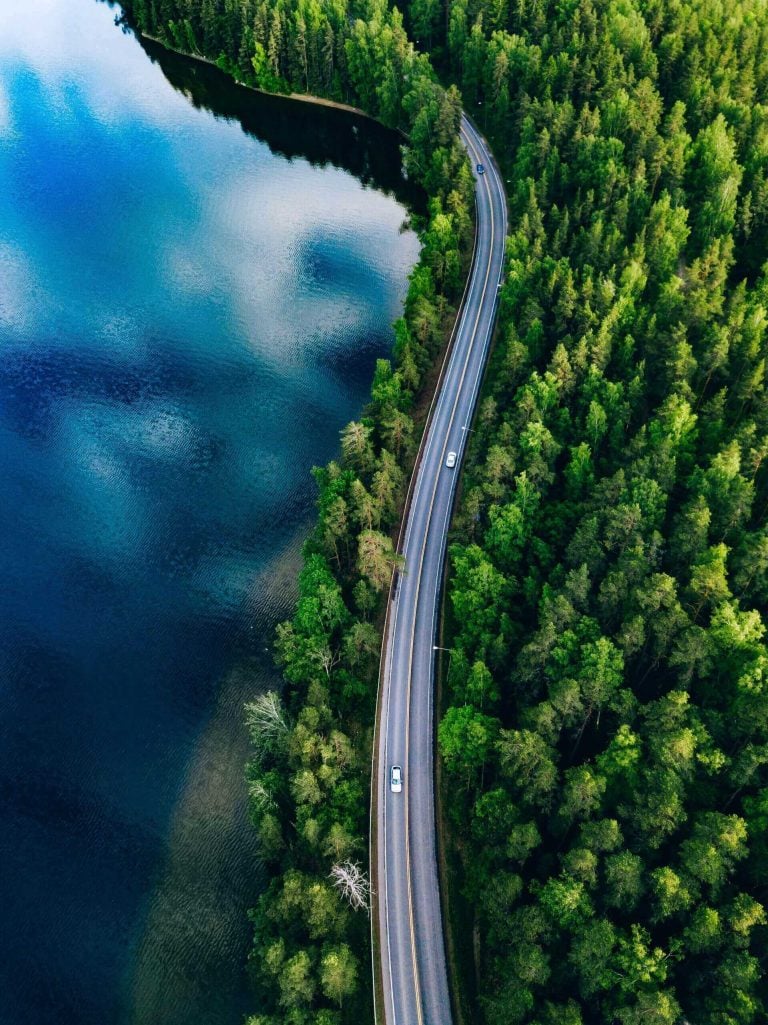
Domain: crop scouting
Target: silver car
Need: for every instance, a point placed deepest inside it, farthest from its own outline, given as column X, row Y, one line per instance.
column 396, row 779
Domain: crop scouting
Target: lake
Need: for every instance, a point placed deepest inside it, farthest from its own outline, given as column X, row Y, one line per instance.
column 195, row 283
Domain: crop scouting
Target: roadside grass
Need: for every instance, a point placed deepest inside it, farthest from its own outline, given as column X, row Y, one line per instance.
column 458, row 915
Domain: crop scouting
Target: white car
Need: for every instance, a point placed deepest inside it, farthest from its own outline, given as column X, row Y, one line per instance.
column 450, row 461
column 396, row 779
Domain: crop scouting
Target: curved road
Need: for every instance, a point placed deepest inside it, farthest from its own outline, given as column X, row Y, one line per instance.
column 409, row 920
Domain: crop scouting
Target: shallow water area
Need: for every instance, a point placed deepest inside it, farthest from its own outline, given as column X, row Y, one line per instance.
column 195, row 283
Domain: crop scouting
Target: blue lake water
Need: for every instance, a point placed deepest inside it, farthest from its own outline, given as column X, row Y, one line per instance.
column 195, row 283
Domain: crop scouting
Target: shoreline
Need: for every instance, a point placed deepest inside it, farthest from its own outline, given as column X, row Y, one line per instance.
column 298, row 97
column 431, row 387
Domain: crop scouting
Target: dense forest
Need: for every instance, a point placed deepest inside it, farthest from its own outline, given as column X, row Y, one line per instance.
column 607, row 723
column 605, row 735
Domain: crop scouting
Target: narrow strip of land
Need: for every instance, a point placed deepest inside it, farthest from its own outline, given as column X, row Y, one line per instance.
column 408, row 915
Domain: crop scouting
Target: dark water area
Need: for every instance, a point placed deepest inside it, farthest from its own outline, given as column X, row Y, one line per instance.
column 195, row 283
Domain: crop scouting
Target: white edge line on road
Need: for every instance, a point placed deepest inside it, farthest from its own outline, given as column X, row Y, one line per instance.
column 421, row 556
column 432, row 417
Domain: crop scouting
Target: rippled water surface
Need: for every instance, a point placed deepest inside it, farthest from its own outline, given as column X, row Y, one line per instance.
column 195, row 283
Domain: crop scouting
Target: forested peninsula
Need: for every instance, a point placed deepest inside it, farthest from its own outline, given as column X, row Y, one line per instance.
column 604, row 740
column 309, row 780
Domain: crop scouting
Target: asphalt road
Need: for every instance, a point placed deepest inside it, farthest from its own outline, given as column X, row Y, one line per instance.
column 409, row 919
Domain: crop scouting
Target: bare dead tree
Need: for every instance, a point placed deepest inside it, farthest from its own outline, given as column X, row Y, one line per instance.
column 266, row 719
column 261, row 796
column 328, row 659
column 353, row 884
